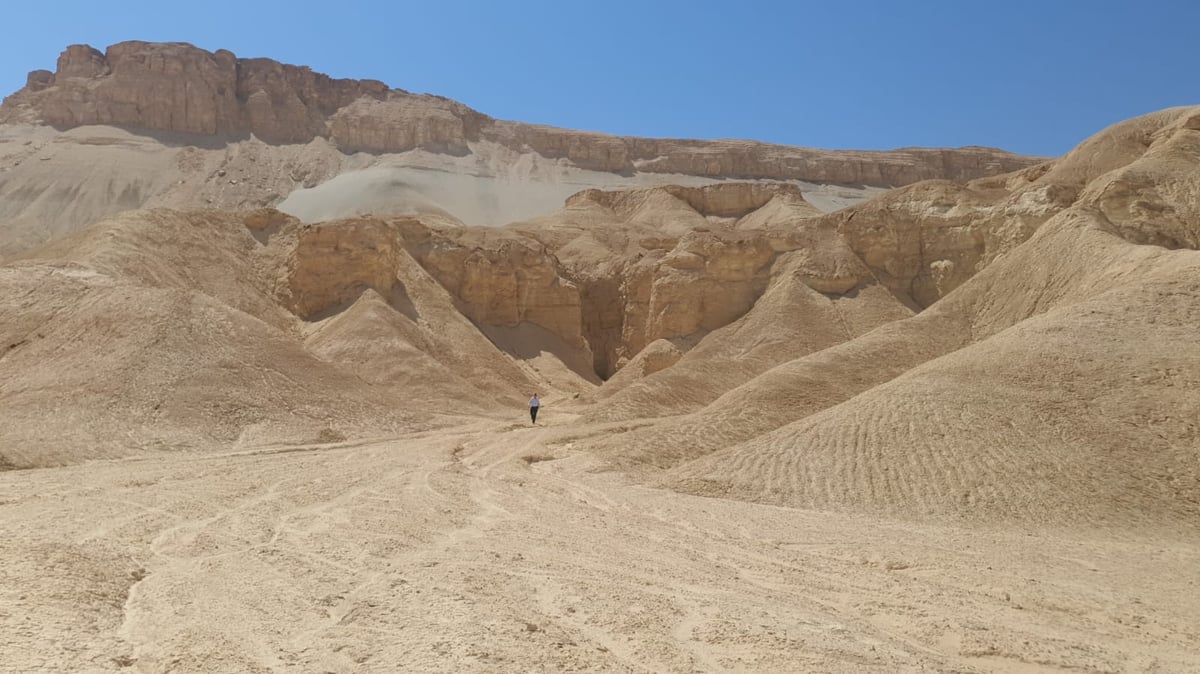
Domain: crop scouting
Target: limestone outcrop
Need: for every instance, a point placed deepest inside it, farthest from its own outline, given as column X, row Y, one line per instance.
column 700, row 274
column 719, row 200
column 176, row 87
column 331, row 267
column 179, row 88
column 496, row 278
column 706, row 281
column 675, row 263
column 502, row 279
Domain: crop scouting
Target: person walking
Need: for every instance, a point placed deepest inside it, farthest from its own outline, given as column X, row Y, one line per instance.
column 534, row 404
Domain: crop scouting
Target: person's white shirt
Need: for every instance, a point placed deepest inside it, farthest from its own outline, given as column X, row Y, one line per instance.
column 534, row 402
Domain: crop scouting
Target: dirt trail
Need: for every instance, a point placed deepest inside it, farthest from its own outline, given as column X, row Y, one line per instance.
column 500, row 548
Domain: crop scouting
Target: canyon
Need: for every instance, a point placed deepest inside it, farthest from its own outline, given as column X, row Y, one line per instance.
column 267, row 338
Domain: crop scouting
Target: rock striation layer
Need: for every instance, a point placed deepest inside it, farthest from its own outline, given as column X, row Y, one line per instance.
column 176, row 87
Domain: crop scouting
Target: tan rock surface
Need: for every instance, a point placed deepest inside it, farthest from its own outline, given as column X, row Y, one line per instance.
column 1040, row 350
column 179, row 88
column 455, row 552
column 371, row 306
column 949, row 429
column 679, row 262
column 144, row 125
column 504, row 280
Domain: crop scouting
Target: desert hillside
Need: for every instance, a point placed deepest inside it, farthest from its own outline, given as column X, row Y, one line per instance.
column 1069, row 354
column 267, row 338
column 861, row 359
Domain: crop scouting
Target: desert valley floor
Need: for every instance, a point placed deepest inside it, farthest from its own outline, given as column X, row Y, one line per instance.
column 494, row 546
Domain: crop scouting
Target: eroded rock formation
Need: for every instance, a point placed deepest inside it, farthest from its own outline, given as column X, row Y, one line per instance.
column 177, row 87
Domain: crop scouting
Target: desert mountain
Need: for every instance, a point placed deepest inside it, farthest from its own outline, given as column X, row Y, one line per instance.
column 170, row 125
column 1069, row 353
column 862, row 359
column 399, row 313
column 755, row 326
column 267, row 337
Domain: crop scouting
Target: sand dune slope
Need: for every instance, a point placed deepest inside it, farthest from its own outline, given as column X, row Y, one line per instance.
column 456, row 551
column 789, row 320
column 1072, row 402
column 383, row 346
column 1067, row 261
column 1062, row 264
column 162, row 330
column 1081, row 416
column 367, row 304
column 95, row 366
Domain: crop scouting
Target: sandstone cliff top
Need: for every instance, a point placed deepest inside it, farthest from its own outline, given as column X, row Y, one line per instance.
column 177, row 87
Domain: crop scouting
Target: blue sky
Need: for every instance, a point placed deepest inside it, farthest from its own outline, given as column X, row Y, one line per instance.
column 1028, row 76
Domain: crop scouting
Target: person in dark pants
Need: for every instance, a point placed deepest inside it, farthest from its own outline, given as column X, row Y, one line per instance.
column 534, row 404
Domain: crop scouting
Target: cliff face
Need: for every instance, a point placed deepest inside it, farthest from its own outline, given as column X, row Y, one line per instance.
column 617, row 272
column 176, row 87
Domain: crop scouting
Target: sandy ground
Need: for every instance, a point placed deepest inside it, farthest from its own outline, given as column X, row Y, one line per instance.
column 495, row 546
column 479, row 191
column 465, row 190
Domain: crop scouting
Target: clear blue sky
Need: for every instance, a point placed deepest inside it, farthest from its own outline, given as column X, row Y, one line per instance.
column 1028, row 76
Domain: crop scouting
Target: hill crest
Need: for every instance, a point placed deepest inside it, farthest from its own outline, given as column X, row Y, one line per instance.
column 179, row 88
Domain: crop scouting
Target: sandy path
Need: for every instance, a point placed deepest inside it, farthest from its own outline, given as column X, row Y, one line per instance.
column 498, row 548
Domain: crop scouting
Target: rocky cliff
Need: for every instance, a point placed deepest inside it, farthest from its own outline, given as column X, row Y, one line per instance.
column 176, row 87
